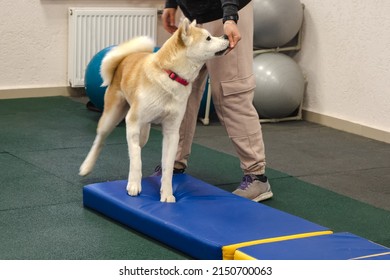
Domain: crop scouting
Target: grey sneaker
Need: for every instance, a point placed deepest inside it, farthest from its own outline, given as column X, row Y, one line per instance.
column 255, row 188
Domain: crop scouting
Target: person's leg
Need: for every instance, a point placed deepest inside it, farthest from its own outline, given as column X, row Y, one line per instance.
column 188, row 125
column 232, row 86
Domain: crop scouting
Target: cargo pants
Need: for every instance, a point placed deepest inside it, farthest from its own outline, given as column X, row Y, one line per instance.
column 232, row 87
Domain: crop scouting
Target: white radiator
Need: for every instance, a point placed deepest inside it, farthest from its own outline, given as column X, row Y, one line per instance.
column 93, row 29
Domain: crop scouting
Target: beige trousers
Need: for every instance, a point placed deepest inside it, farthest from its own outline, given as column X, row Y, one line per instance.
column 232, row 88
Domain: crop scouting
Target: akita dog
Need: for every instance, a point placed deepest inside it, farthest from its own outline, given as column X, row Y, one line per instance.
column 146, row 87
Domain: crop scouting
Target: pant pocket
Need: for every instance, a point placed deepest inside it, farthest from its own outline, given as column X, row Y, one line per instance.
column 238, row 85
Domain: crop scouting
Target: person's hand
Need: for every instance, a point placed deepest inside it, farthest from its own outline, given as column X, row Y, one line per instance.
column 231, row 30
column 168, row 19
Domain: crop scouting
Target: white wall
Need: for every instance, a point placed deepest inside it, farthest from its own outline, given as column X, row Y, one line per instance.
column 345, row 54
column 34, row 40
column 346, row 57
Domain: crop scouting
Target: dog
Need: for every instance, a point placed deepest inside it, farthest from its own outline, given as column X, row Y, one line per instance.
column 145, row 87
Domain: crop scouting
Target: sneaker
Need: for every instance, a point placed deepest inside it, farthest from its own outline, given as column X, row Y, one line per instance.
column 158, row 171
column 254, row 187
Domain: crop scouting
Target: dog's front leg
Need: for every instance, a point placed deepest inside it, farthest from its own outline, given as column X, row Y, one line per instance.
column 133, row 141
column 170, row 143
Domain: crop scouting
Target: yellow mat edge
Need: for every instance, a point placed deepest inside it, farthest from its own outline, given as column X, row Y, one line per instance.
column 228, row 251
column 239, row 255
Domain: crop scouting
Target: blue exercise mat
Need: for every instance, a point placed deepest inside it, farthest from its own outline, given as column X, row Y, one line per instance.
column 337, row 246
column 205, row 222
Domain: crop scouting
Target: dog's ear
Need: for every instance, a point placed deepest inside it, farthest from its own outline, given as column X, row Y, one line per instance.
column 193, row 23
column 185, row 30
column 185, row 26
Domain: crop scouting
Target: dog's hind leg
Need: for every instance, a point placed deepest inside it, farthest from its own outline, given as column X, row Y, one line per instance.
column 115, row 109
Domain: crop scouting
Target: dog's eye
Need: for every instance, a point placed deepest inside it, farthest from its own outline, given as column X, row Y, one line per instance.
column 208, row 38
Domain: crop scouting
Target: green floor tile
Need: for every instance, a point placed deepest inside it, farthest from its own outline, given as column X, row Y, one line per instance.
column 69, row 231
column 25, row 185
column 43, row 141
column 327, row 208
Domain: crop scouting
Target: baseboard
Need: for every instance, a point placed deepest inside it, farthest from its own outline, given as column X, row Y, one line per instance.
column 41, row 92
column 347, row 126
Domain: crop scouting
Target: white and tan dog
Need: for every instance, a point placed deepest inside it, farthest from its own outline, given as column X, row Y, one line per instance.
column 146, row 87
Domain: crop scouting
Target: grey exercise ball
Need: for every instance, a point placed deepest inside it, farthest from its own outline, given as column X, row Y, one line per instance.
column 280, row 85
column 276, row 22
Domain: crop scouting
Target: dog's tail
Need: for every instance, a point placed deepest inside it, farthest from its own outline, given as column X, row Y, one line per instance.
column 112, row 59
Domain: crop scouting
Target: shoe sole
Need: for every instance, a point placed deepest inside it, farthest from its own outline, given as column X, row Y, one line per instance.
column 263, row 196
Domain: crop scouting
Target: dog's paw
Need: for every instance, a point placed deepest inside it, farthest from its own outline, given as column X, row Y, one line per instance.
column 169, row 199
column 133, row 189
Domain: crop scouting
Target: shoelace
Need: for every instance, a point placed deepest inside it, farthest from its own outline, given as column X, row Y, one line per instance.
column 158, row 168
column 246, row 181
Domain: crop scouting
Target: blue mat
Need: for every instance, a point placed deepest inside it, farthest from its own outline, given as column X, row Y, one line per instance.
column 338, row 246
column 205, row 222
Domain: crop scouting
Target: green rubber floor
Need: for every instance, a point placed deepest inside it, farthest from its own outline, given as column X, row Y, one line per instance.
column 42, row 144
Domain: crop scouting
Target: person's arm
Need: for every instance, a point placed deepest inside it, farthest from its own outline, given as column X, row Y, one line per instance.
column 230, row 10
column 230, row 18
column 171, row 4
column 169, row 16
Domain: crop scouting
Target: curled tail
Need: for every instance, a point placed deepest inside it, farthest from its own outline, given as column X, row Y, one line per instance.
column 112, row 59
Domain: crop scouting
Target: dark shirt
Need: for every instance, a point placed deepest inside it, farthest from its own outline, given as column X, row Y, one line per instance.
column 207, row 10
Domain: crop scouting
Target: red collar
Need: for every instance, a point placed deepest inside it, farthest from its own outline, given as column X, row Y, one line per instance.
column 176, row 78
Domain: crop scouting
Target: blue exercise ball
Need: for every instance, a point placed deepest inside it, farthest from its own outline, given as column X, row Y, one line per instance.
column 276, row 22
column 280, row 85
column 93, row 79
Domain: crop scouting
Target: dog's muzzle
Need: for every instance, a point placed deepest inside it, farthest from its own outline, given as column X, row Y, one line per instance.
column 222, row 52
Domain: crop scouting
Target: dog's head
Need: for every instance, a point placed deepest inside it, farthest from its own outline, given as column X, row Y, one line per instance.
column 199, row 43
